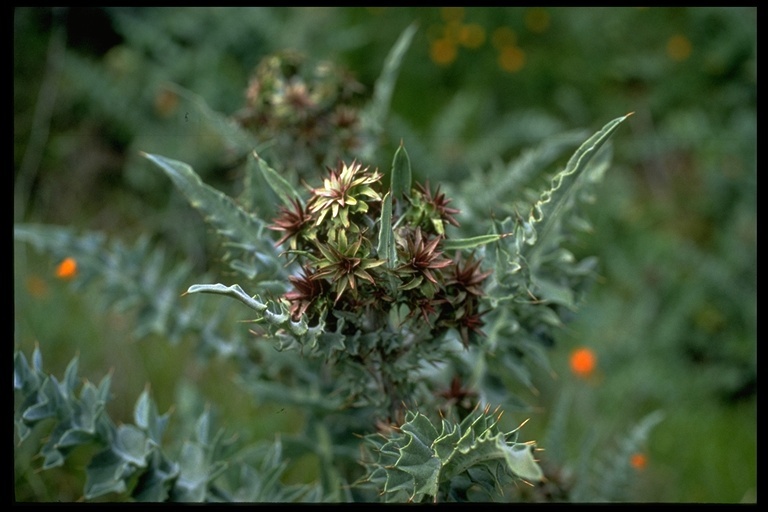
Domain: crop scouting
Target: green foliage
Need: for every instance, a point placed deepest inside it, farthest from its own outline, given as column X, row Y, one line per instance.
column 138, row 279
column 613, row 471
column 362, row 326
column 289, row 333
column 250, row 251
column 131, row 460
column 553, row 204
column 595, row 471
column 417, row 463
column 511, row 236
column 371, row 342
column 348, row 350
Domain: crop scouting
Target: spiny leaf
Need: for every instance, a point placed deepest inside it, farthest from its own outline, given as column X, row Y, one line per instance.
column 130, row 453
column 132, row 445
column 453, row 244
column 234, row 291
column 74, row 437
column 216, row 207
column 47, row 404
column 105, row 474
column 552, row 204
column 154, row 484
column 277, row 321
column 23, row 376
column 519, row 458
column 193, row 474
column 142, row 410
column 279, row 185
column 425, row 460
column 70, row 377
column 386, row 245
column 401, row 174
column 417, row 460
column 385, row 84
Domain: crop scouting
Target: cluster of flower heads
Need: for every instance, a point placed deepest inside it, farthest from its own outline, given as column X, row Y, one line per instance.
column 334, row 235
column 305, row 109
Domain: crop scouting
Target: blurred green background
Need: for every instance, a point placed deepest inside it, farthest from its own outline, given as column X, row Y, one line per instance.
column 672, row 319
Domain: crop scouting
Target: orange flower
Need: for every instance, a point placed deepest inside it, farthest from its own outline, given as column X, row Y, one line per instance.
column 67, row 269
column 638, row 461
column 583, row 362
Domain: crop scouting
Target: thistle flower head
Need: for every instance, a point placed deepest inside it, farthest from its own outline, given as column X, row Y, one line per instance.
column 427, row 307
column 306, row 291
column 342, row 192
column 294, row 99
column 467, row 276
column 307, row 108
column 470, row 323
column 343, row 264
column 292, row 221
column 431, row 211
column 422, row 257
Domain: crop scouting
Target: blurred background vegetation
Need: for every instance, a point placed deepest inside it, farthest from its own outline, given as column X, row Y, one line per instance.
column 672, row 320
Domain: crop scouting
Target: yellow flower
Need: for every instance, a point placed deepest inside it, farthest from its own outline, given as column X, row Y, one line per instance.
column 583, row 362
column 67, row 269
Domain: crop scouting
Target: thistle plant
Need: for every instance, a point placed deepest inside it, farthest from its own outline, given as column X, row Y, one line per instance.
column 375, row 311
column 390, row 310
column 371, row 274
